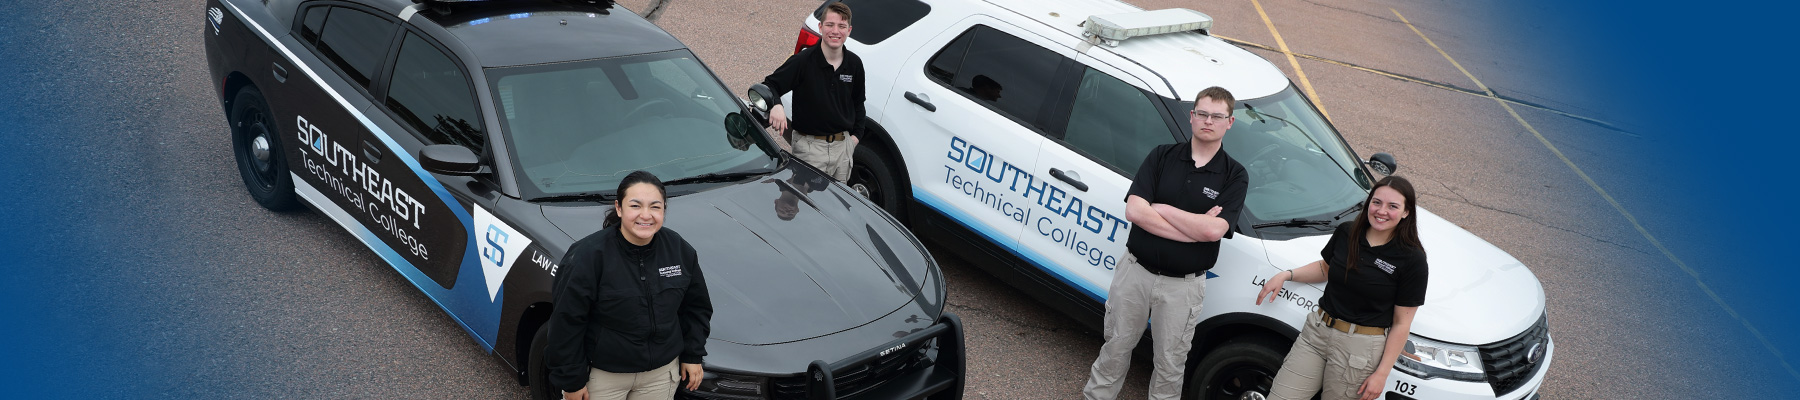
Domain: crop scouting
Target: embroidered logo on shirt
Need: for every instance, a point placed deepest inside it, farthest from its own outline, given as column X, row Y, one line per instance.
column 847, row 78
column 669, row 271
column 1211, row 194
column 1385, row 267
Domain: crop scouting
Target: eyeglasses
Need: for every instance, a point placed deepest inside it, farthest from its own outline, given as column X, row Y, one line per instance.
column 1205, row 117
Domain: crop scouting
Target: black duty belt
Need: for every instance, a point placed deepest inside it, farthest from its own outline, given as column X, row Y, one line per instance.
column 1166, row 273
column 829, row 138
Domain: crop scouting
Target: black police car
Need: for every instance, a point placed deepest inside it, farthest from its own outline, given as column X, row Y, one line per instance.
column 470, row 143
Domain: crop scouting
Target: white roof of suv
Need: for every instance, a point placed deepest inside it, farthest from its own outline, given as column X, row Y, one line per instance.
column 1189, row 61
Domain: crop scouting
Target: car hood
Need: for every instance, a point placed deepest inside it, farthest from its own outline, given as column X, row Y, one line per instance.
column 1477, row 294
column 829, row 268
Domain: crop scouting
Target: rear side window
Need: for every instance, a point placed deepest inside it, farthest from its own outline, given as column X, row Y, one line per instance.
column 1115, row 122
column 872, row 21
column 355, row 41
column 1003, row 72
column 315, row 21
column 433, row 97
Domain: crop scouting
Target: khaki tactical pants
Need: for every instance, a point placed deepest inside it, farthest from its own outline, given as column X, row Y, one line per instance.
column 1326, row 358
column 1135, row 298
column 656, row 384
column 831, row 157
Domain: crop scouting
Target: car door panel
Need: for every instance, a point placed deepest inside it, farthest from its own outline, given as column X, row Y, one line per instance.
column 982, row 179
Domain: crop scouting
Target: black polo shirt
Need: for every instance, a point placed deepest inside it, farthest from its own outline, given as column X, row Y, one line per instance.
column 826, row 100
column 1168, row 177
column 1386, row 276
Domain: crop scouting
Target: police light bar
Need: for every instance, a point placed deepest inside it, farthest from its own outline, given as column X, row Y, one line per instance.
column 1115, row 28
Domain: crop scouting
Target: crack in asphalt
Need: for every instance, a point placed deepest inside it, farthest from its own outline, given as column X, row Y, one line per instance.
column 1350, row 11
column 1440, row 85
column 1465, row 200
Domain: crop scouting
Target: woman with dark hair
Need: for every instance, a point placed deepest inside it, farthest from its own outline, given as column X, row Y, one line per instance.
column 1375, row 272
column 632, row 313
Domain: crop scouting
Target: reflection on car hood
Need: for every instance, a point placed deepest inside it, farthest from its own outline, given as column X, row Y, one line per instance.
column 776, row 280
column 1478, row 294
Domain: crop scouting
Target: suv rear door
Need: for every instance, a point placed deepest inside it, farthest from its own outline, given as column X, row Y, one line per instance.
column 980, row 100
column 1094, row 149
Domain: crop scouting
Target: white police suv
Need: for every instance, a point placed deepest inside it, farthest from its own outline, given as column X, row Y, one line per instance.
column 1009, row 130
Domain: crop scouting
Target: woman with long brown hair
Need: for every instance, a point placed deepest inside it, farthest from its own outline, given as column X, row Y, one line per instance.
column 1376, row 273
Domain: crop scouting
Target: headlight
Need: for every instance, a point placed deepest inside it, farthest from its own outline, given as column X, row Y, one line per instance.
column 1426, row 358
column 720, row 386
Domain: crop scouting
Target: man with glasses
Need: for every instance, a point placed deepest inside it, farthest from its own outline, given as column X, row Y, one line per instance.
column 1184, row 199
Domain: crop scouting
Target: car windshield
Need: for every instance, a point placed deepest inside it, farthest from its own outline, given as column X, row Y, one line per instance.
column 1299, row 167
column 578, row 128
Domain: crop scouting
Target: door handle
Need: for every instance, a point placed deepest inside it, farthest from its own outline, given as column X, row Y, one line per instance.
column 1069, row 178
column 921, row 100
column 280, row 73
column 371, row 152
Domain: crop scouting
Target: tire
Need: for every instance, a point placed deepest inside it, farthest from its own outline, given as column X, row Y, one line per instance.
column 537, row 374
column 874, row 177
column 1240, row 364
column 257, row 144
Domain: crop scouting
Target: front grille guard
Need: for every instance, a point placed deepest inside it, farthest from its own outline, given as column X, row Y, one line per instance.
column 821, row 382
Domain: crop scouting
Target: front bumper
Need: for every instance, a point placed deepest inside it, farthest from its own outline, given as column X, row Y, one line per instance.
column 942, row 379
column 1408, row 387
column 927, row 363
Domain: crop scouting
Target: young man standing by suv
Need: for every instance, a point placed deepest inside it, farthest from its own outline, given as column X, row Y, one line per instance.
column 1184, row 199
column 827, row 81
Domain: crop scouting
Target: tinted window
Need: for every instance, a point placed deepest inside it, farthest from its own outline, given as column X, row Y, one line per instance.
column 873, row 21
column 315, row 20
column 355, row 41
column 1114, row 122
column 431, row 95
column 943, row 66
column 1004, row 72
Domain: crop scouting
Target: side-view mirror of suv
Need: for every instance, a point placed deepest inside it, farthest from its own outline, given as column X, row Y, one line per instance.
column 1383, row 163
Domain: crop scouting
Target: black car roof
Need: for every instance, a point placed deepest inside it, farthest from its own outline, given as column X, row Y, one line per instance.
column 523, row 32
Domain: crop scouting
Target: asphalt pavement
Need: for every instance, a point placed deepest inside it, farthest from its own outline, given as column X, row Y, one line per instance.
column 224, row 299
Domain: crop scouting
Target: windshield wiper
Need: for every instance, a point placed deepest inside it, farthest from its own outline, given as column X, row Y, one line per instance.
column 719, row 177
column 1353, row 208
column 1308, row 135
column 1296, row 223
column 600, row 196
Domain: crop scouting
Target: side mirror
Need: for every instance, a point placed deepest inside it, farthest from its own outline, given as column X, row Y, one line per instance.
column 758, row 98
column 739, row 131
column 1383, row 163
column 449, row 159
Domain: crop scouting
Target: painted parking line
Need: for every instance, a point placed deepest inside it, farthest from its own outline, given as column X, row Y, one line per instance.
column 1609, row 199
column 1304, row 83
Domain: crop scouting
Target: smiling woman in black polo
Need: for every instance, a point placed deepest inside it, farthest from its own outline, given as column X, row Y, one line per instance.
column 1377, row 273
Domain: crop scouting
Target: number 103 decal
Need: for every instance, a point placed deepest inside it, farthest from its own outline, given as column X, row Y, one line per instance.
column 1405, row 388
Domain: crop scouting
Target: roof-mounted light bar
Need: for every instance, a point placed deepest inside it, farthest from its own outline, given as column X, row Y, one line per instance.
column 1115, row 28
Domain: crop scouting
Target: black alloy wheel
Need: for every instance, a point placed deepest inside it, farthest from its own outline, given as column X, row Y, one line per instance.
column 257, row 144
column 872, row 176
column 1238, row 366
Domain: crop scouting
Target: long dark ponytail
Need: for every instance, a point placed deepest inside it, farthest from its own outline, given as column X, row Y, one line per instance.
column 636, row 177
column 1406, row 232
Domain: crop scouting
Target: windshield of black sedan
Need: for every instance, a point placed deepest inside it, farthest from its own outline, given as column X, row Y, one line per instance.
column 1299, row 167
column 580, row 127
